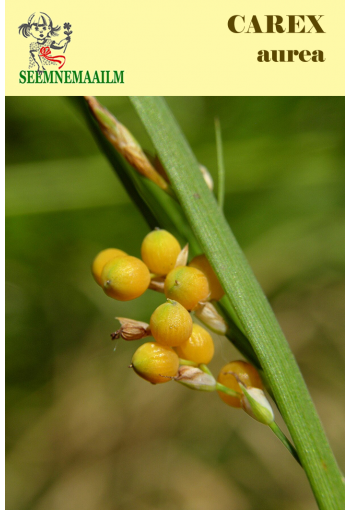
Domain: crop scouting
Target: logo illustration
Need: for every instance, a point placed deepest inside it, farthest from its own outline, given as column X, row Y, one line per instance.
column 41, row 28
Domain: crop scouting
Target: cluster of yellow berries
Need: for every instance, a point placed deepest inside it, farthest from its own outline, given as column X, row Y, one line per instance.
column 182, row 349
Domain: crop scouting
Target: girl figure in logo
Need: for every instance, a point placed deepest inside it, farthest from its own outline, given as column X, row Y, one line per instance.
column 40, row 27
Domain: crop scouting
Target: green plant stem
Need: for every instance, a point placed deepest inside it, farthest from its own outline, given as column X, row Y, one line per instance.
column 278, row 432
column 228, row 391
column 221, row 164
column 187, row 362
column 205, row 369
column 254, row 313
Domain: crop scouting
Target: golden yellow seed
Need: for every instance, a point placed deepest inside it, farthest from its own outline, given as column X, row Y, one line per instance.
column 125, row 278
column 187, row 285
column 202, row 263
column 246, row 373
column 159, row 251
column 101, row 260
column 156, row 363
column 198, row 348
column 171, row 324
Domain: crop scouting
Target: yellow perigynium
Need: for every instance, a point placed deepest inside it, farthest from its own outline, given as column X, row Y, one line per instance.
column 156, row 363
column 125, row 278
column 159, row 251
column 171, row 324
column 101, row 260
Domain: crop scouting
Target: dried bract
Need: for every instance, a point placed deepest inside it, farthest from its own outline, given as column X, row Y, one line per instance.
column 195, row 378
column 131, row 330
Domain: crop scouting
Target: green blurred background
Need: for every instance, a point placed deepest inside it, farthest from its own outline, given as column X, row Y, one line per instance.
column 83, row 431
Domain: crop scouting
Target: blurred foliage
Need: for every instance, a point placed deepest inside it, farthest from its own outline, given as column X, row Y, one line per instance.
column 82, row 430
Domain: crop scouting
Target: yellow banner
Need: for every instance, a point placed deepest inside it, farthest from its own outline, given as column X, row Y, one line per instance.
column 175, row 48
